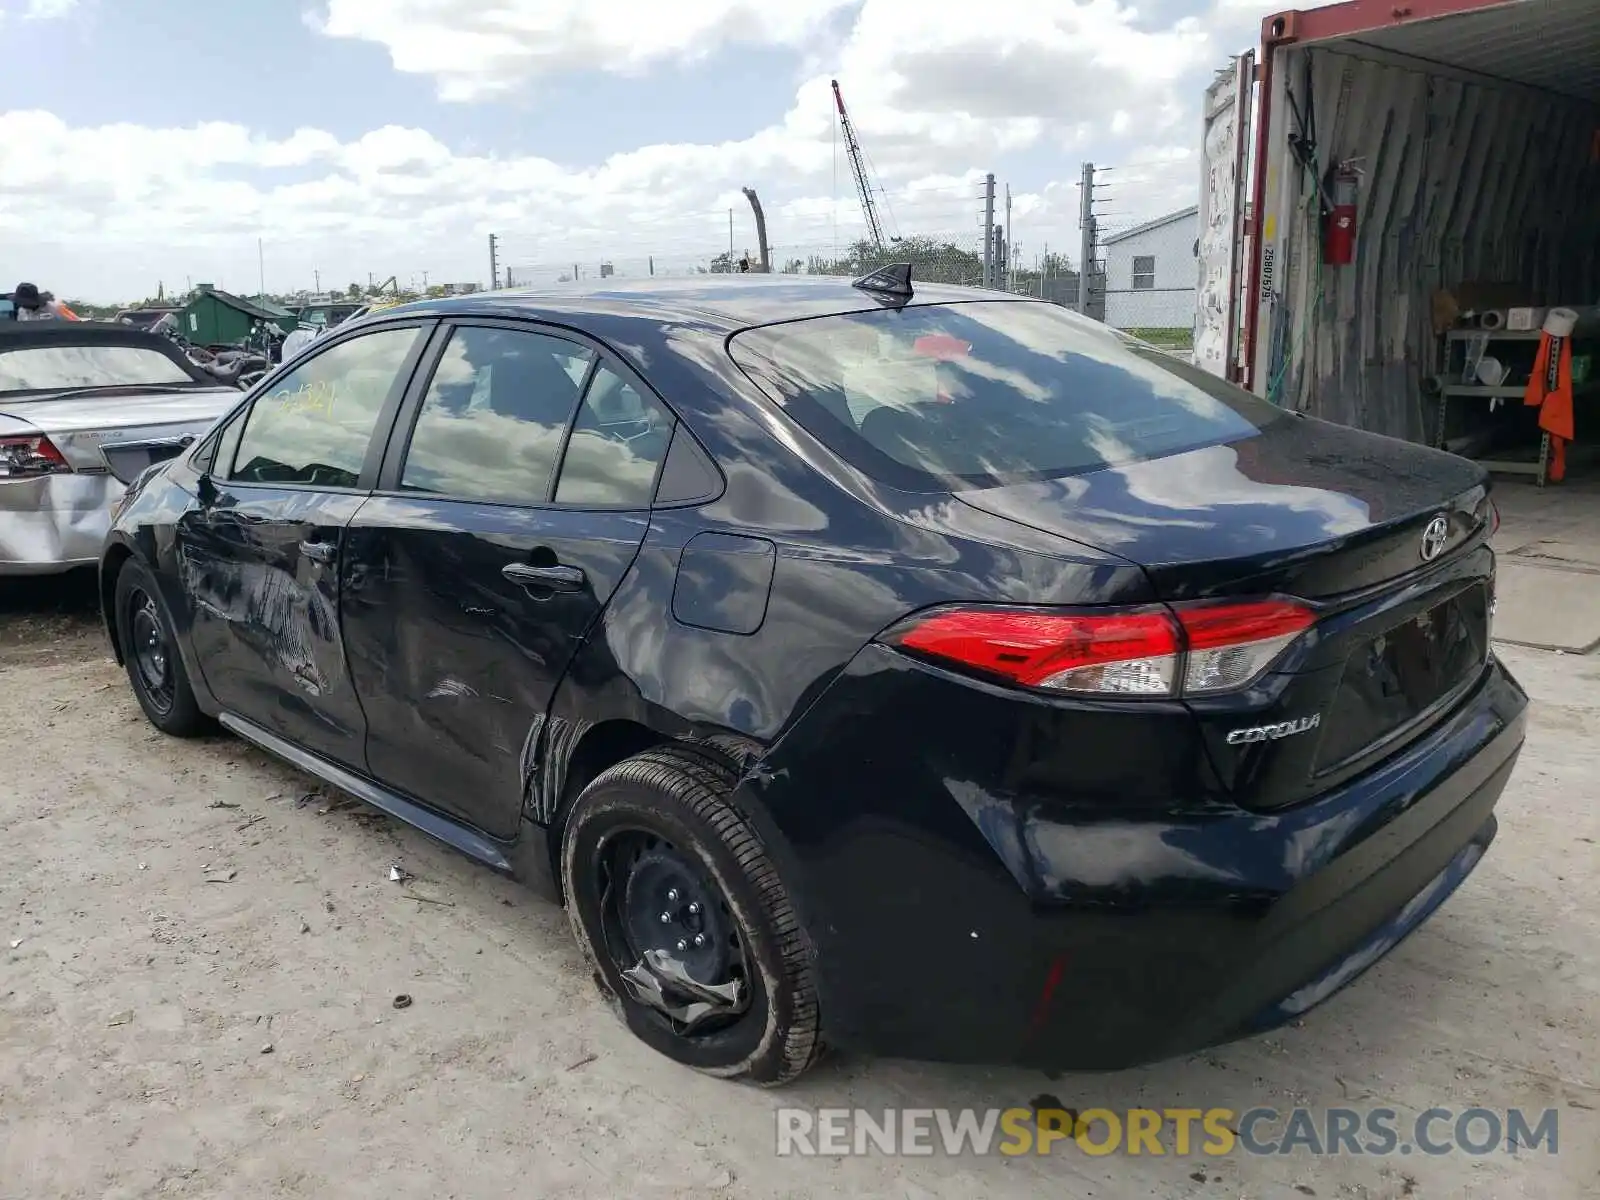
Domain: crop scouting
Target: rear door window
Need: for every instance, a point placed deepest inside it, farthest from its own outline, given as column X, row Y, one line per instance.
column 944, row 397
column 494, row 416
column 616, row 447
column 314, row 423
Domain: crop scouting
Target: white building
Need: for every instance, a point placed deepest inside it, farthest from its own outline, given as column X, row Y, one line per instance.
column 1151, row 272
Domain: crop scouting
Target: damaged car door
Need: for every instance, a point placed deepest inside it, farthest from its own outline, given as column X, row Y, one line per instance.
column 261, row 553
column 510, row 506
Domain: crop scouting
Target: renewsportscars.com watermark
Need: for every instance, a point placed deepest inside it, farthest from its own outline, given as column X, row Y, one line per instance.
column 1211, row 1132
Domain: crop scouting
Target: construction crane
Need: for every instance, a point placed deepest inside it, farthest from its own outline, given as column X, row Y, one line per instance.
column 858, row 167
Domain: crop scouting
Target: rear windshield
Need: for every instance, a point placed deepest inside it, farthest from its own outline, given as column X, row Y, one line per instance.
column 47, row 368
column 942, row 397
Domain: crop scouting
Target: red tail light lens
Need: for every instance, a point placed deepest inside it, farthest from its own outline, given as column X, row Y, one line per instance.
column 1230, row 645
column 1134, row 652
column 26, row 457
column 1161, row 652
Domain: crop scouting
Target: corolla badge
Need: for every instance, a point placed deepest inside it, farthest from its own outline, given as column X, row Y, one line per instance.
column 1273, row 733
column 1433, row 539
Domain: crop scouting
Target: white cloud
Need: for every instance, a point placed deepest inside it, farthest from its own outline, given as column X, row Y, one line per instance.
column 38, row 10
column 940, row 91
column 48, row 10
column 478, row 49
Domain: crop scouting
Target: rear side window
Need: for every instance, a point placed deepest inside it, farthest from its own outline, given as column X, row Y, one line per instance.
column 314, row 423
column 496, row 410
column 944, row 397
column 617, row 444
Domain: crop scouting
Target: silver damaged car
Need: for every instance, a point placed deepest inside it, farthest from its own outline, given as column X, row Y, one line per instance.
column 84, row 407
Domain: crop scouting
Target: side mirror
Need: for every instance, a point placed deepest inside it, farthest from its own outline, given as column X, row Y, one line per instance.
column 206, row 489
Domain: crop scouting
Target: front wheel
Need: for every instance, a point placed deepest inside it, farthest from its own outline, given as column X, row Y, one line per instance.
column 150, row 654
column 673, row 898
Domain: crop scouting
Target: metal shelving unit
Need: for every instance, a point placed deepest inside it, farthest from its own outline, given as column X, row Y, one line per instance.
column 1494, row 335
column 1477, row 340
column 1504, row 391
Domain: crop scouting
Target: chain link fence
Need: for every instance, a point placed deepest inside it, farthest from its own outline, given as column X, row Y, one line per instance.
column 1051, row 277
column 932, row 259
column 938, row 228
column 954, row 259
column 1146, row 260
column 1142, row 275
column 1131, row 283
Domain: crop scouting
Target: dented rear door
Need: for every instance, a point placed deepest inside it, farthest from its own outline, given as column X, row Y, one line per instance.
column 517, row 497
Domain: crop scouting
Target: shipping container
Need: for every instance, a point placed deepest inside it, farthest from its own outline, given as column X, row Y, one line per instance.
column 1374, row 161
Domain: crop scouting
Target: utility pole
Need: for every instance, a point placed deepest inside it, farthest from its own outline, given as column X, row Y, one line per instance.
column 261, row 266
column 316, row 277
column 730, row 239
column 652, row 264
column 988, row 230
column 494, row 263
column 424, row 281
column 1087, row 238
column 1005, row 237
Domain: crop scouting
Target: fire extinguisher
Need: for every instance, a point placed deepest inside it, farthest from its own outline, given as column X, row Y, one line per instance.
column 1339, row 225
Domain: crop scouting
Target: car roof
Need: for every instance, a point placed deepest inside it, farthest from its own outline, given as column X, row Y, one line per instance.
column 728, row 302
column 18, row 335
column 93, row 333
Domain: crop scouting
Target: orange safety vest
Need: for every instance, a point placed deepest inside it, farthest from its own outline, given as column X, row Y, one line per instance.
column 1550, row 391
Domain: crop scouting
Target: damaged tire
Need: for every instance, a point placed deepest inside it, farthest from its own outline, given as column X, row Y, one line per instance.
column 672, row 896
column 150, row 655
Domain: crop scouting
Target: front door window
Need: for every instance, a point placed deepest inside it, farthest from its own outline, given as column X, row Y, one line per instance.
column 314, row 423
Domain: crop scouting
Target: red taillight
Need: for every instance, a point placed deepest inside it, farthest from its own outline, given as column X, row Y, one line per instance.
column 1494, row 518
column 24, row 457
column 1229, row 645
column 1040, row 649
column 1185, row 650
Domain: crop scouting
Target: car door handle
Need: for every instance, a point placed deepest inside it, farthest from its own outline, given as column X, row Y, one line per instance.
column 322, row 552
column 557, row 579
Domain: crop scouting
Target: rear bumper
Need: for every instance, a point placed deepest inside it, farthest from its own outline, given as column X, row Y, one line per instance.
column 957, row 916
column 55, row 523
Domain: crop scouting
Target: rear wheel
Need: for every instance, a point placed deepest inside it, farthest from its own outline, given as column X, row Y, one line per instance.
column 672, row 896
column 150, row 654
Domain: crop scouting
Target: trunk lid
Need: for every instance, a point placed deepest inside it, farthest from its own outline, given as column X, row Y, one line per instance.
column 80, row 426
column 1302, row 507
column 1385, row 539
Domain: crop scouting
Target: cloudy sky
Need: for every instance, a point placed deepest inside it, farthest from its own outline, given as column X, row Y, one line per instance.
column 154, row 141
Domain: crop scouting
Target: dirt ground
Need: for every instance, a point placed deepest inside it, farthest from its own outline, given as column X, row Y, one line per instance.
column 198, row 965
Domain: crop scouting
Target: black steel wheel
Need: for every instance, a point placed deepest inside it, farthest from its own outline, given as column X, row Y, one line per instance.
column 148, row 638
column 150, row 655
column 673, row 898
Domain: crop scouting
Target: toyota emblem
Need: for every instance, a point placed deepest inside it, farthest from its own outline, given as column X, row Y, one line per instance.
column 1434, row 537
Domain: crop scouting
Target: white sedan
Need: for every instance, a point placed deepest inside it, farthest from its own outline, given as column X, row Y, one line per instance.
column 84, row 407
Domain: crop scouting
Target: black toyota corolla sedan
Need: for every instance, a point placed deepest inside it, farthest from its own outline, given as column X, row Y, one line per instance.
column 906, row 668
